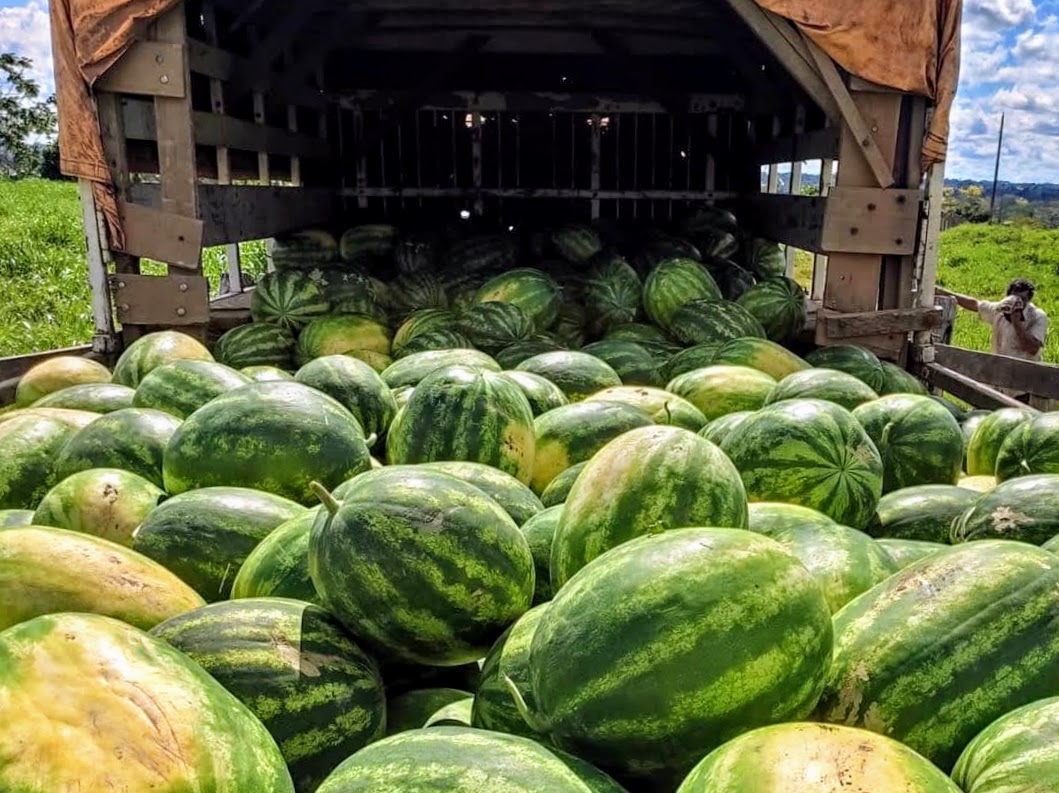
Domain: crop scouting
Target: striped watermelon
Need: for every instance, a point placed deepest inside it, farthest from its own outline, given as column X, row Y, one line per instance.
column 1017, row 752
column 73, row 419
column 419, row 322
column 182, row 387
column 770, row 518
column 922, row 512
column 698, row 356
column 356, row 386
column 416, row 292
column 919, row 441
column 533, row 292
column 485, row 253
column 508, row 659
column 984, row 446
column 578, row 374
column 718, row 429
column 411, row 369
column 367, row 243
column 1031, row 448
column 898, row 381
column 979, row 484
column 256, row 344
column 543, row 394
column 233, row 441
column 296, row 669
column 153, row 350
column 613, row 295
column 706, row 321
column 341, row 333
column 266, row 374
column 559, row 490
column 827, row 384
column 539, row 532
column 15, row 517
column 494, row 325
column 462, row 760
column 133, row 440
column 761, row 354
column 288, row 298
column 204, row 536
column 279, row 564
column 47, row 570
column 28, row 469
column 764, row 258
column 685, row 616
column 957, row 412
column 645, row 335
column 92, row 397
column 779, row 304
column 851, row 359
column 906, row 552
column 674, row 284
column 516, row 498
column 574, row 433
column 812, row 453
column 393, row 533
column 633, row 363
column 815, row 758
column 412, row 709
column 576, row 243
column 456, row 714
column 304, row 250
column 55, row 374
column 1026, row 509
column 662, row 406
column 437, row 339
column 733, row 279
column 662, row 248
column 150, row 717
column 460, row 413
column 414, row 253
column 969, row 425
column 106, row 502
column 719, row 390
column 515, row 353
column 645, row 481
column 973, row 642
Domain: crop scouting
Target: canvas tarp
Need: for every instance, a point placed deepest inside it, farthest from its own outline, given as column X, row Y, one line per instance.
column 911, row 45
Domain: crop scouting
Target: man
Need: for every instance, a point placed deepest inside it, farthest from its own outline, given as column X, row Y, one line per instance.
column 1019, row 327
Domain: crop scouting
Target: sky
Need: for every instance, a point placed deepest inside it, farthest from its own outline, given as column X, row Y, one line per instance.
column 1010, row 64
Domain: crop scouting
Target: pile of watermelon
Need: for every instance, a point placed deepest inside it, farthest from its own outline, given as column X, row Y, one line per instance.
column 562, row 513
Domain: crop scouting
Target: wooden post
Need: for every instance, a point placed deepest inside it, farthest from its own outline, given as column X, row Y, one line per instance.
column 95, row 237
column 795, row 179
column 827, row 168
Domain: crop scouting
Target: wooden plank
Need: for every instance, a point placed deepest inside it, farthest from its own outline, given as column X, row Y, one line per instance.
column 148, row 68
column 540, row 102
column 1001, row 371
column 827, row 167
column 871, row 323
column 816, row 144
column 163, row 236
column 212, row 129
column 793, row 220
column 218, row 64
column 871, row 220
column 537, row 192
column 95, row 239
column 968, row 389
column 161, row 300
column 112, row 133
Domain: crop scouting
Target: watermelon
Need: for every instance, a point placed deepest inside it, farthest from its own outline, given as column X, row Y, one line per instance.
column 15, row 517
column 613, row 295
column 303, row 250
column 812, row 453
column 256, row 344
column 578, row 374
column 906, row 552
column 644, row 335
column 350, row 290
column 969, row 425
column 717, row 430
column 674, row 284
column 539, row 532
column 827, row 384
column 661, row 249
column 204, row 536
column 457, row 714
column 356, row 386
column 514, row 354
column 769, row 518
column 534, row 292
column 368, row 242
column 133, row 439
column 415, row 292
column 48, row 570
column 420, row 322
column 719, row 390
column 74, row 419
column 341, row 333
column 413, row 254
column 663, row 407
column 288, row 298
column 106, row 502
column 460, row 413
column 920, row 443
column 706, row 321
column 574, row 433
column 93, row 397
column 645, row 481
column 494, row 709
column 1017, row 752
column 634, row 364
column 153, row 350
column 558, row 491
column 398, row 530
column 979, row 484
column 55, row 374
column 401, row 677
column 485, row 253
column 698, row 356
column 957, row 412
column 516, row 498
column 814, row 758
column 182, row 387
column 144, row 715
column 844, row 561
column 898, row 381
column 543, row 395
column 851, row 359
column 1026, row 509
column 984, row 446
column 31, row 443
column 761, row 354
column 412, row 709
column 672, row 619
column 266, row 374
column 779, row 304
column 934, row 654
column 764, row 258
column 410, row 370
column 494, row 325
column 296, row 669
column 279, row 564
column 438, row 339
column 921, row 512
column 576, row 243
column 463, row 760
column 1031, row 448
column 276, row 437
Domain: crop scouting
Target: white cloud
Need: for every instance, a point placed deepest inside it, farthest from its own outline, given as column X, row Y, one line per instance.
column 25, row 30
column 1001, row 12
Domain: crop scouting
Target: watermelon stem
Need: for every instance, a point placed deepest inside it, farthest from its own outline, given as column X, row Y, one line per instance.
column 534, row 723
column 371, row 439
column 329, row 501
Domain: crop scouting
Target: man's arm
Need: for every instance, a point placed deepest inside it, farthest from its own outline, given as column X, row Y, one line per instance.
column 963, row 301
column 1028, row 340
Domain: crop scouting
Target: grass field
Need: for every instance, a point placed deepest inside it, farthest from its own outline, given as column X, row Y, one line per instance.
column 46, row 301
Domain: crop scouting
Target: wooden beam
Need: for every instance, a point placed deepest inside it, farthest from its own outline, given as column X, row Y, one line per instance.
column 326, row 41
column 161, row 300
column 1001, row 371
column 539, row 102
column 968, row 389
column 212, row 129
column 176, row 144
column 792, row 220
column 162, row 236
column 871, row 220
column 149, row 68
column 873, row 323
column 817, row 144
column 96, row 243
column 218, row 64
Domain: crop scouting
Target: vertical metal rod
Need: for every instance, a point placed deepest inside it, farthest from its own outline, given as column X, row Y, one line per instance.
column 555, row 176
column 500, row 161
column 711, row 164
column 452, row 138
column 669, row 175
column 996, row 168
column 616, row 119
column 400, row 160
column 476, row 161
column 362, row 162
column 343, row 176
column 820, row 260
column 518, row 150
column 795, row 186
column 597, row 133
column 654, row 158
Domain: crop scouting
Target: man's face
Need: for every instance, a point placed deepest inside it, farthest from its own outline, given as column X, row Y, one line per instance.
column 1023, row 295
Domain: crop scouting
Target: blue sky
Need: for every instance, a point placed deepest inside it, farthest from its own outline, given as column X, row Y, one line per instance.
column 1010, row 64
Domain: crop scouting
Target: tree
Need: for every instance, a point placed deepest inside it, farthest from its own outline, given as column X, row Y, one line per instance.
column 25, row 118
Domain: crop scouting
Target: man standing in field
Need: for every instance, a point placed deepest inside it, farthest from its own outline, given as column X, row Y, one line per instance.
column 1019, row 327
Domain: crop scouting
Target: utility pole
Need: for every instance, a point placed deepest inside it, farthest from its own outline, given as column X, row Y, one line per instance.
column 996, row 170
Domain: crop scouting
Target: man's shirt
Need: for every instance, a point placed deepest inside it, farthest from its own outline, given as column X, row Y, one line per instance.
column 1005, row 338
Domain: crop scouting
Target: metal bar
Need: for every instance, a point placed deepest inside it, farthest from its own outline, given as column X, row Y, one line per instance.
column 539, row 192
column 617, row 160
column 539, row 102
column 711, row 163
column 654, row 158
column 635, row 160
column 419, row 155
column 476, row 162
column 400, row 157
column 597, row 132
